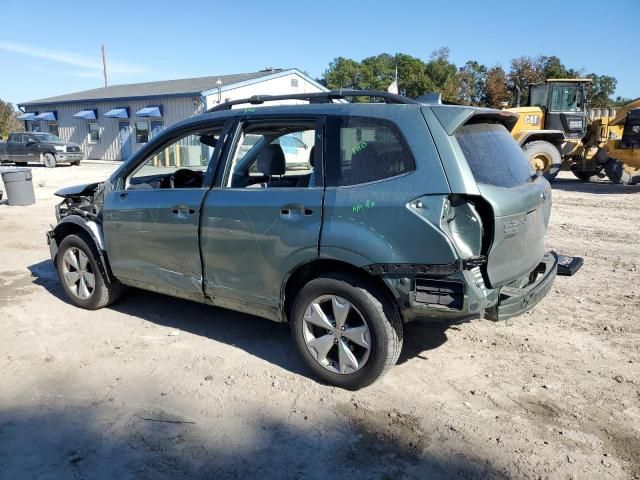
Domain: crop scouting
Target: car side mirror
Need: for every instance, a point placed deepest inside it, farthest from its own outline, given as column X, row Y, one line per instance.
column 31, row 142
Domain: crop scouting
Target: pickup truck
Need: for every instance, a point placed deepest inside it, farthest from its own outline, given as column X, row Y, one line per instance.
column 45, row 148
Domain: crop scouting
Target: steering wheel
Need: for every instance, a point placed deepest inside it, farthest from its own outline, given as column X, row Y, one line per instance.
column 185, row 178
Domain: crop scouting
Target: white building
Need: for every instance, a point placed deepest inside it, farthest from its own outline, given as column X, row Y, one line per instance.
column 112, row 123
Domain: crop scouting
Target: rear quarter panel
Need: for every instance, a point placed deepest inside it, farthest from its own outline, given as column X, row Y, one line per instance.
column 374, row 223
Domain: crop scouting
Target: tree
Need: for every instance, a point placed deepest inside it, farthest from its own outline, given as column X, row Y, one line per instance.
column 524, row 71
column 378, row 72
column 600, row 91
column 621, row 101
column 552, row 67
column 8, row 119
column 496, row 89
column 412, row 77
column 342, row 73
column 472, row 79
column 443, row 75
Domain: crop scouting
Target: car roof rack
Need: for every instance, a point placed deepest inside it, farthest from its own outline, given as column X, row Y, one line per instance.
column 317, row 97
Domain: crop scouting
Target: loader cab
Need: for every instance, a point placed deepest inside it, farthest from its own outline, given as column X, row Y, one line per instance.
column 564, row 104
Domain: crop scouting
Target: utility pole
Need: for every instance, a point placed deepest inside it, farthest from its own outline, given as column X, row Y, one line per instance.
column 104, row 66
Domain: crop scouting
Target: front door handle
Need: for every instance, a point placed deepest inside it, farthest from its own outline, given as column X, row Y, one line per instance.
column 124, row 196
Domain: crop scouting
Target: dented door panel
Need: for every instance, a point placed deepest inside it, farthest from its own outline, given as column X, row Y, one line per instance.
column 152, row 236
column 252, row 238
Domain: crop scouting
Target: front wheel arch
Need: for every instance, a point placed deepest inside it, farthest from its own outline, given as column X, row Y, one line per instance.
column 77, row 226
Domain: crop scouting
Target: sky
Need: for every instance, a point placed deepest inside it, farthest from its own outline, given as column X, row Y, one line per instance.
column 52, row 48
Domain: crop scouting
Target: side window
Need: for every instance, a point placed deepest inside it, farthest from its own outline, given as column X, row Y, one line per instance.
column 278, row 154
column 361, row 150
column 181, row 163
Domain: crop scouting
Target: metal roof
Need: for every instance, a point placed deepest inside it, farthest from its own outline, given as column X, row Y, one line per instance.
column 185, row 86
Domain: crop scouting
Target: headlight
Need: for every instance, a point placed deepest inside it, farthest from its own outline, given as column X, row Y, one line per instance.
column 59, row 148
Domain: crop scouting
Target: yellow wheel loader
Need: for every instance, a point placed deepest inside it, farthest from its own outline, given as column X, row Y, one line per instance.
column 615, row 139
column 551, row 127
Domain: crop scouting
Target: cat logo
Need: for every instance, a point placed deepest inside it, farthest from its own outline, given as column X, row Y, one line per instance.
column 532, row 119
column 636, row 129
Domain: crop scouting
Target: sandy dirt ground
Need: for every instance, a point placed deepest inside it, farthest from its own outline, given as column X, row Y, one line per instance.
column 160, row 388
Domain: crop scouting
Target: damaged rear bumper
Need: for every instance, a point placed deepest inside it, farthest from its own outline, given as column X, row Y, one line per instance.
column 515, row 301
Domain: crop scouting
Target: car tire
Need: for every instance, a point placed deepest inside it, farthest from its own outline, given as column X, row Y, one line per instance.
column 372, row 319
column 77, row 253
column 49, row 160
column 545, row 157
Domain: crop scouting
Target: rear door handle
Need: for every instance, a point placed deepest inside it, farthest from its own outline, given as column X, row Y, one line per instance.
column 295, row 210
column 183, row 211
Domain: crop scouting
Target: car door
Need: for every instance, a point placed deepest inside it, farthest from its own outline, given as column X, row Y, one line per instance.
column 31, row 150
column 16, row 147
column 151, row 219
column 260, row 222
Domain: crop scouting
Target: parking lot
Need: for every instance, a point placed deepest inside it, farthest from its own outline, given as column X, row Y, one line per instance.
column 155, row 387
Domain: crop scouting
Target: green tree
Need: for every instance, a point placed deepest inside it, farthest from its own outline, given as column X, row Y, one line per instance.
column 621, row 101
column 552, row 67
column 443, row 75
column 378, row 72
column 600, row 91
column 472, row 79
column 8, row 119
column 412, row 76
column 343, row 73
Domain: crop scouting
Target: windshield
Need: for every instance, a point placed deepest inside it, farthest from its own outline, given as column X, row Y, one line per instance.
column 48, row 137
column 566, row 98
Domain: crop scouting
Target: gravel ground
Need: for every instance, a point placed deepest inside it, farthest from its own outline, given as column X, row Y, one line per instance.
column 156, row 387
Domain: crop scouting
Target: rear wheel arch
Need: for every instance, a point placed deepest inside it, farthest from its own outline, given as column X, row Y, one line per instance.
column 306, row 272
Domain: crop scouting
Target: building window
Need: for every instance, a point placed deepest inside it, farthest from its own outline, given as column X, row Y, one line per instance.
column 94, row 132
column 53, row 128
column 142, row 132
column 294, row 82
column 156, row 127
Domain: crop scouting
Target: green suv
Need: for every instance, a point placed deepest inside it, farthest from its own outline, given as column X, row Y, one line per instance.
column 403, row 211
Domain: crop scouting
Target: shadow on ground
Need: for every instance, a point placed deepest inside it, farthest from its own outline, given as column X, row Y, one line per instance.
column 601, row 188
column 99, row 442
column 263, row 338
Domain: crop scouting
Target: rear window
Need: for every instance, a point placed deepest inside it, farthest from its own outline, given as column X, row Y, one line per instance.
column 493, row 155
column 361, row 150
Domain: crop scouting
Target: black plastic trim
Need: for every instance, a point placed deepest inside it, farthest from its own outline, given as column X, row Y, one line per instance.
column 413, row 269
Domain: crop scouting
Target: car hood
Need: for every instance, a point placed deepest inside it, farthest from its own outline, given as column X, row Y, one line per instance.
column 78, row 190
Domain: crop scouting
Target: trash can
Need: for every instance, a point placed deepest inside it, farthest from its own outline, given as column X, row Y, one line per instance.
column 18, row 185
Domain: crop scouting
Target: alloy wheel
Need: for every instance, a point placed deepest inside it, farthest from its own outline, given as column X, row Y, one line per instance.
column 336, row 334
column 78, row 273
